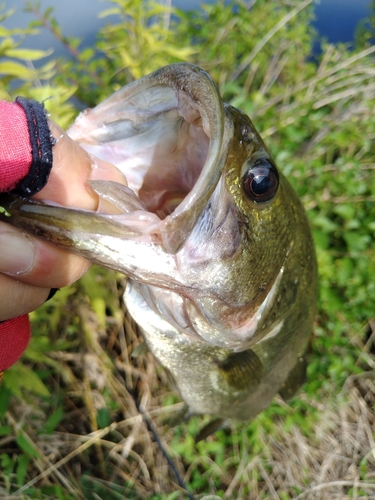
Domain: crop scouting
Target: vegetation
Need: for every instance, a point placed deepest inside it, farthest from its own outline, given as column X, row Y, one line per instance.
column 365, row 32
column 72, row 422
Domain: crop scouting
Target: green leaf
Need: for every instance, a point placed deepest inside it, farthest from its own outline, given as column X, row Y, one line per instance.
column 21, row 471
column 15, row 69
column 19, row 377
column 7, row 463
column 31, row 54
column 109, row 12
column 5, row 396
column 4, row 211
column 346, row 211
column 5, row 430
column 24, row 443
column 325, row 223
column 321, row 239
column 53, row 420
column 345, row 268
column 356, row 242
column 103, row 418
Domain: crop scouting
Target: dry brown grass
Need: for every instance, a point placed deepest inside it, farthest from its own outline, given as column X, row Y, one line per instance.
column 336, row 460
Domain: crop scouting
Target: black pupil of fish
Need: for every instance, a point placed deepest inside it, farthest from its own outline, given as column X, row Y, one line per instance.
column 261, row 184
column 261, row 181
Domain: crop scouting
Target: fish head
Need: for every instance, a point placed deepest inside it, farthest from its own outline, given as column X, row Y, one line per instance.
column 254, row 238
column 208, row 226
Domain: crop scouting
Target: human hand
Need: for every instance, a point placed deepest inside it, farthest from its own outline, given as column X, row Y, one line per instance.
column 30, row 267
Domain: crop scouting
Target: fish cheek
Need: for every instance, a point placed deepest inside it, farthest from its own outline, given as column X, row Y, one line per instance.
column 242, row 370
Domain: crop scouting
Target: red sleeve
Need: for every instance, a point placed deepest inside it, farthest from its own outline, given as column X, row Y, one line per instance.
column 15, row 146
column 25, row 164
column 14, row 337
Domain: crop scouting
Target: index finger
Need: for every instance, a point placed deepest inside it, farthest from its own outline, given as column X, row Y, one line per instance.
column 72, row 168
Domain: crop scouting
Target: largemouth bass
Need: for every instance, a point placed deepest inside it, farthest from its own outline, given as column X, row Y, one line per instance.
column 214, row 241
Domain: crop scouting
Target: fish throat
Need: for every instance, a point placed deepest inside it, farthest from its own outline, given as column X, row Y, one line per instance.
column 173, row 165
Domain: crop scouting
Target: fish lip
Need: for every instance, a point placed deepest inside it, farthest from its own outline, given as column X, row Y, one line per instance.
column 186, row 80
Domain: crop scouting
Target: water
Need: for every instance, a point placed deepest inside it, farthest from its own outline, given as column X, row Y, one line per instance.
column 336, row 20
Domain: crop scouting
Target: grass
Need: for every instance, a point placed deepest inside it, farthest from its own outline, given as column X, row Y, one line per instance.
column 74, row 412
column 88, row 440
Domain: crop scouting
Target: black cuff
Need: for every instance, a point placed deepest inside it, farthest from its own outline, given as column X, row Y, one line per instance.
column 41, row 148
column 52, row 293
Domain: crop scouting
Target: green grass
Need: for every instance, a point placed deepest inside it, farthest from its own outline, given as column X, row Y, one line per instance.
column 69, row 427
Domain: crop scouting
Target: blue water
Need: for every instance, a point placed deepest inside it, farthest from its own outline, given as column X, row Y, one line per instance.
column 336, row 20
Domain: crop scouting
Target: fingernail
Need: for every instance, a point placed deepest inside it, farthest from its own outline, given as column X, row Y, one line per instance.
column 102, row 170
column 17, row 252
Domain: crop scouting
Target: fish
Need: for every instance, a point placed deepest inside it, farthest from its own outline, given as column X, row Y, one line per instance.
column 216, row 245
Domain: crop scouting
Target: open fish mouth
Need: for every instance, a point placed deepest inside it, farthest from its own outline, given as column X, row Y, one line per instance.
column 169, row 134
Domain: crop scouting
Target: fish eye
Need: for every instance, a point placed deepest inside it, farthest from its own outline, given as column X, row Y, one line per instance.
column 261, row 181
